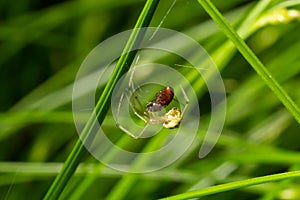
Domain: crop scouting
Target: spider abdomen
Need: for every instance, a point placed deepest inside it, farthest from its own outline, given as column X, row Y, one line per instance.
column 162, row 99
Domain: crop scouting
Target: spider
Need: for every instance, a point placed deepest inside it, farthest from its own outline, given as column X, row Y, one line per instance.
column 151, row 114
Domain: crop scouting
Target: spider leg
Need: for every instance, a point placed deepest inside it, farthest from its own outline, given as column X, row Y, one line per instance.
column 138, row 115
column 117, row 118
column 186, row 100
column 130, row 85
column 118, row 113
column 126, row 131
column 152, row 120
column 134, row 101
column 135, row 98
column 131, row 134
column 130, row 82
column 143, row 130
column 119, row 107
column 134, row 108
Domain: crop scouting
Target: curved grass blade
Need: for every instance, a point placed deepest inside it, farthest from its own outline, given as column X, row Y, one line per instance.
column 234, row 185
column 248, row 54
column 103, row 103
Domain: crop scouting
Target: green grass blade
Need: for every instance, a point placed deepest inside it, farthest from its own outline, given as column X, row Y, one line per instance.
column 103, row 103
column 234, row 185
column 251, row 58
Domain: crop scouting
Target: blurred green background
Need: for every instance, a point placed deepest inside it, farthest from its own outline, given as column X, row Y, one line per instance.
column 42, row 45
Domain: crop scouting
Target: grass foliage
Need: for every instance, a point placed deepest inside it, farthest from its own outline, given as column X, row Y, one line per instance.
column 257, row 154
